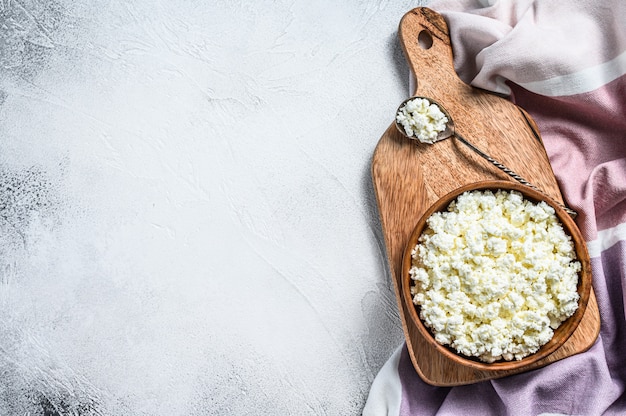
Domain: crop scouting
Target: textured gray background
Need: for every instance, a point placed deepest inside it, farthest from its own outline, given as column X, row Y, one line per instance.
column 187, row 220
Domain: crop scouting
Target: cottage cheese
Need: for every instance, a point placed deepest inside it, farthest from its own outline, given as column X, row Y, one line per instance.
column 422, row 119
column 494, row 275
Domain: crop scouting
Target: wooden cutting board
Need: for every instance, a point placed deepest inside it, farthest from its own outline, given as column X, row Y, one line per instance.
column 409, row 177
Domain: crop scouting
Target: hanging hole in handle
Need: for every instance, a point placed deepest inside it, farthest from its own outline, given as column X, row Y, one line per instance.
column 425, row 39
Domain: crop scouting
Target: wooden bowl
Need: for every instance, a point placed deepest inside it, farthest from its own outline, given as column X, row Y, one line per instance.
column 561, row 334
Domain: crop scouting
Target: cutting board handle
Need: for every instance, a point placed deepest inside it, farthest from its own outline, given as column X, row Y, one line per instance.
column 425, row 38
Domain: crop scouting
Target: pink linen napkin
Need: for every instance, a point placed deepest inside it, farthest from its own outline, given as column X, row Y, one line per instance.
column 565, row 63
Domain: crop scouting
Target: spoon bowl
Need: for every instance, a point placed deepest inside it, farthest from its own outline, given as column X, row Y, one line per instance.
column 441, row 135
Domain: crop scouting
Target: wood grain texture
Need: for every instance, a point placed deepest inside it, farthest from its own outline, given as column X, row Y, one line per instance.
column 409, row 177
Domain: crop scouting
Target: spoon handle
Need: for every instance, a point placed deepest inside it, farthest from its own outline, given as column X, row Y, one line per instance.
column 509, row 172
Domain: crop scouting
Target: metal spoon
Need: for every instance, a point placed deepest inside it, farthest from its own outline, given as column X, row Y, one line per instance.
column 449, row 131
